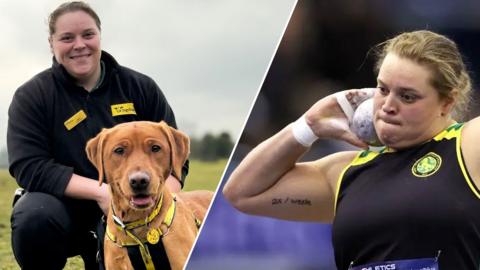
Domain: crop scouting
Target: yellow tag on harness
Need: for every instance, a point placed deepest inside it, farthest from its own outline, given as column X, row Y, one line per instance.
column 75, row 120
column 153, row 236
column 123, row 109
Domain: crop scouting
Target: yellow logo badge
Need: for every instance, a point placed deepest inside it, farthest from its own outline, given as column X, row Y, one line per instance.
column 427, row 165
column 123, row 109
column 75, row 120
column 153, row 236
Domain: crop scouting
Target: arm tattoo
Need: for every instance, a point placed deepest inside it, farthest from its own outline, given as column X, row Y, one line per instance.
column 300, row 202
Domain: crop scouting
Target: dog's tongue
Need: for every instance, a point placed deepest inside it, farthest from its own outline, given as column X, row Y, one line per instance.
column 141, row 200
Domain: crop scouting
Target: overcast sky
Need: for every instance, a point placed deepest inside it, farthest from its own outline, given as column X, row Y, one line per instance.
column 209, row 57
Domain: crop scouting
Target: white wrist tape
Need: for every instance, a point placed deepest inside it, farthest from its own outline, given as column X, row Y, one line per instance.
column 349, row 107
column 345, row 105
column 303, row 133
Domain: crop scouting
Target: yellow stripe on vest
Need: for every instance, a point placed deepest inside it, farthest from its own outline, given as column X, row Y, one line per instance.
column 361, row 158
column 461, row 162
column 364, row 157
column 453, row 131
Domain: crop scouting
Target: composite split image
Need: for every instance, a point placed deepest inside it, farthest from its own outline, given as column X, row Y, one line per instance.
column 240, row 135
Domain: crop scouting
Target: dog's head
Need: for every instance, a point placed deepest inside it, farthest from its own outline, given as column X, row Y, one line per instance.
column 136, row 158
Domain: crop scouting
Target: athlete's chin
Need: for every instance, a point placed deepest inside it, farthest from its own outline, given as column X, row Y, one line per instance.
column 396, row 141
column 388, row 141
column 390, row 138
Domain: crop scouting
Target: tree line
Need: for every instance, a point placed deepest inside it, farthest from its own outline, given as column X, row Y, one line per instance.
column 211, row 147
column 208, row 148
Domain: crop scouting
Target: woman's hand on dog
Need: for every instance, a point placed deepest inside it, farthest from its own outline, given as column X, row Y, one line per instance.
column 103, row 199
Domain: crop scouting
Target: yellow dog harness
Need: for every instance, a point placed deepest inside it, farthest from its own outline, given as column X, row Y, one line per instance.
column 154, row 236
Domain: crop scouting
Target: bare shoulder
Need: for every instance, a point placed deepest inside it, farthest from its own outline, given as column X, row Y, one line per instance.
column 472, row 126
column 471, row 148
column 470, row 134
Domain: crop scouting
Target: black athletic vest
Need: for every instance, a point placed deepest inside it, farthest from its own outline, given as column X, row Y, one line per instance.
column 409, row 204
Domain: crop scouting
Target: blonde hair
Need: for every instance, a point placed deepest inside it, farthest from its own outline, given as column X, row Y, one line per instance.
column 438, row 53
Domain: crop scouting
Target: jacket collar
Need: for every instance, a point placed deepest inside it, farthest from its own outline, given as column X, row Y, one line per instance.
column 62, row 75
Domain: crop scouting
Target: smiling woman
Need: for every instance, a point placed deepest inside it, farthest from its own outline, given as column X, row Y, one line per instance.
column 51, row 117
column 75, row 42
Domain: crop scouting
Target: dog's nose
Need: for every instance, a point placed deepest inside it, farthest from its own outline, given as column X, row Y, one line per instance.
column 139, row 181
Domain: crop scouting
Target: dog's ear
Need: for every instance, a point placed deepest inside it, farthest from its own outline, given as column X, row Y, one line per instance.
column 94, row 150
column 179, row 148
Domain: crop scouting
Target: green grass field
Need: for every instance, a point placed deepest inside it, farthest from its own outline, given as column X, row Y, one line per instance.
column 203, row 175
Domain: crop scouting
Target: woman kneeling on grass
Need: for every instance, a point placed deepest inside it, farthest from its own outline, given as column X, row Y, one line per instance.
column 51, row 118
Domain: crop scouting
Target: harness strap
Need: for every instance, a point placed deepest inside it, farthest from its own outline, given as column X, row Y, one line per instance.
column 155, row 234
column 144, row 252
column 158, row 253
column 135, row 245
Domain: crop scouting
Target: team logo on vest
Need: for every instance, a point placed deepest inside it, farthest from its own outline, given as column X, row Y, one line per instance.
column 427, row 165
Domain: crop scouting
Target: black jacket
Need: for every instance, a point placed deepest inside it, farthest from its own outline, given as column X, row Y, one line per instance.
column 43, row 153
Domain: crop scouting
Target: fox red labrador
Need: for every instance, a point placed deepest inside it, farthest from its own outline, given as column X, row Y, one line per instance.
column 146, row 223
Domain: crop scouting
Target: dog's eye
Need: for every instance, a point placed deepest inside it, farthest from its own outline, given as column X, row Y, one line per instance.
column 155, row 148
column 119, row 150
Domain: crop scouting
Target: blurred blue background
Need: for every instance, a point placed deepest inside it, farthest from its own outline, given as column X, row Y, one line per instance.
column 326, row 48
